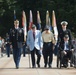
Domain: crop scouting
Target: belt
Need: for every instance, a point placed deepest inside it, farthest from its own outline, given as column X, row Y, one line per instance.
column 47, row 42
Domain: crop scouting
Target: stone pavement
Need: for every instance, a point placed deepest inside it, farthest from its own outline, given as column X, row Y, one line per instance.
column 7, row 67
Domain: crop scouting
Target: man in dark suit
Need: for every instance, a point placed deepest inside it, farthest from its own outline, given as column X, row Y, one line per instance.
column 17, row 39
column 66, row 48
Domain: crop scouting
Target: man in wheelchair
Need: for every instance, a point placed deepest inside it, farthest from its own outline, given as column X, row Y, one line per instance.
column 66, row 49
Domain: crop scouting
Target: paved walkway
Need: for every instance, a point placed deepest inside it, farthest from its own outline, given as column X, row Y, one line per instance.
column 7, row 67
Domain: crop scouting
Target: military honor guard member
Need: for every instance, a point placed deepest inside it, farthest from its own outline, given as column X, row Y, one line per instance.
column 17, row 40
column 64, row 31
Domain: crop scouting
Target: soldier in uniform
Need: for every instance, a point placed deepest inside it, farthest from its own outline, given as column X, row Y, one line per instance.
column 64, row 31
column 17, row 40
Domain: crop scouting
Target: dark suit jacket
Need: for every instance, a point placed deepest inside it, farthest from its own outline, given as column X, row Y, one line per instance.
column 17, row 37
column 61, row 46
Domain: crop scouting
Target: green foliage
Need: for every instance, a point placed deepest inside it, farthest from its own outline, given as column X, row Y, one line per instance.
column 64, row 9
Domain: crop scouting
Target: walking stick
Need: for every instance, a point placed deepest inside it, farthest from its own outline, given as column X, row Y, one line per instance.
column 29, row 56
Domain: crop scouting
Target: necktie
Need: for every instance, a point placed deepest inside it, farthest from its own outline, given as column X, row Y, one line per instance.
column 34, row 35
column 67, row 46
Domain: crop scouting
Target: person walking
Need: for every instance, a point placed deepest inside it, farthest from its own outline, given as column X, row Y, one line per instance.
column 17, row 40
column 48, row 42
column 35, row 44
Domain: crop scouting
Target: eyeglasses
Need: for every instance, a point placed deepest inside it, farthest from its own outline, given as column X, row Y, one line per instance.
column 63, row 25
column 46, row 29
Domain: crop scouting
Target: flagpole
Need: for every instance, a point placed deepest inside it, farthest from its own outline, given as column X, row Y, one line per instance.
column 29, row 59
column 28, row 56
column 14, row 15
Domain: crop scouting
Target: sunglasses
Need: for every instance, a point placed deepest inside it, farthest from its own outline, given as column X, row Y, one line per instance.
column 63, row 25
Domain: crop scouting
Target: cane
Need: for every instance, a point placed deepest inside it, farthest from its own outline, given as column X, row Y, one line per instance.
column 28, row 56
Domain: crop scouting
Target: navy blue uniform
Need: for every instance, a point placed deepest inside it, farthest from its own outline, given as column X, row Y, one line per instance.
column 17, row 39
column 63, row 33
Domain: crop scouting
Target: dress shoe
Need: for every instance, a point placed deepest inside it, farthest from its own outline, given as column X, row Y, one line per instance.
column 38, row 65
column 33, row 66
column 17, row 67
column 65, row 65
column 45, row 66
column 24, row 55
column 50, row 66
column 1, row 55
column 71, row 65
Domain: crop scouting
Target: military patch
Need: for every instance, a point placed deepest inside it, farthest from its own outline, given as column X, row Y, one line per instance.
column 13, row 31
column 20, row 31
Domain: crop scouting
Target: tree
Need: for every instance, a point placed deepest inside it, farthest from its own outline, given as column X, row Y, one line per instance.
column 64, row 9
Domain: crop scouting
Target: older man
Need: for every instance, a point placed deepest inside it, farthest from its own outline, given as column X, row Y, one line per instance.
column 48, row 39
column 35, row 44
column 66, row 48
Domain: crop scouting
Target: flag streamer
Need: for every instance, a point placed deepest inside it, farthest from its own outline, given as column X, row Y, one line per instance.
column 38, row 20
column 31, row 20
column 24, row 24
column 54, row 25
column 14, row 15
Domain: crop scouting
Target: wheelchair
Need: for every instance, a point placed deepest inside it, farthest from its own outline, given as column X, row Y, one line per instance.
column 60, row 60
column 73, row 59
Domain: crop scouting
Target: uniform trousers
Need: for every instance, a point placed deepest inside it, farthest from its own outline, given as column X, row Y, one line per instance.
column 17, row 55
